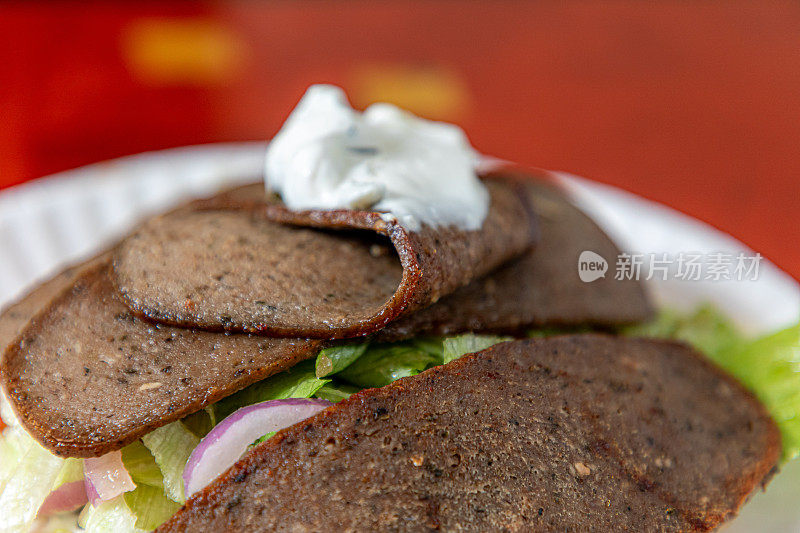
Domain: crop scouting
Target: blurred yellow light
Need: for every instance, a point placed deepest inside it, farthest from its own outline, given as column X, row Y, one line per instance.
column 163, row 51
column 433, row 92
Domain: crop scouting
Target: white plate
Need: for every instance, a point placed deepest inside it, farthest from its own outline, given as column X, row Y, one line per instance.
column 53, row 221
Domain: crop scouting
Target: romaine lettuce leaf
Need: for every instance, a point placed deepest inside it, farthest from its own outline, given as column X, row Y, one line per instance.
column 337, row 358
column 455, row 347
column 14, row 444
column 141, row 465
column 336, row 391
column 434, row 346
column 6, row 413
column 150, row 506
column 261, row 439
column 71, row 470
column 300, row 381
column 382, row 364
column 112, row 516
column 148, row 502
column 201, row 422
column 375, row 365
column 707, row 329
column 171, row 446
column 27, row 486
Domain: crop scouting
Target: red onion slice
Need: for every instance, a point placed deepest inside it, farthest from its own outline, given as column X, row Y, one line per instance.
column 66, row 498
column 106, row 477
column 226, row 443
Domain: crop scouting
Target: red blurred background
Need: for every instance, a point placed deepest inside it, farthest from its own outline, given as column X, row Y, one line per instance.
column 696, row 105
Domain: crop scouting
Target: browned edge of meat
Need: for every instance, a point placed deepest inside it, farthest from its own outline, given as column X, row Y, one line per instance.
column 86, row 377
column 581, row 432
column 542, row 288
column 334, row 281
column 16, row 315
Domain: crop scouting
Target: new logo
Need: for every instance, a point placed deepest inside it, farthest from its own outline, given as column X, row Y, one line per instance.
column 591, row 266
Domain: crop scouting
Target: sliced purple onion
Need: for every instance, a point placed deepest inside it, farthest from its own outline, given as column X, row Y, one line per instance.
column 226, row 443
column 106, row 477
column 66, row 498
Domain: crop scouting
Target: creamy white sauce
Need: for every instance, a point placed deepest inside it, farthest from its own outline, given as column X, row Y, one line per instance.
column 329, row 156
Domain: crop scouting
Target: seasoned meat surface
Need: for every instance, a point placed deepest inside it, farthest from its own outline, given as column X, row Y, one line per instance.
column 242, row 262
column 86, row 377
column 573, row 433
column 542, row 288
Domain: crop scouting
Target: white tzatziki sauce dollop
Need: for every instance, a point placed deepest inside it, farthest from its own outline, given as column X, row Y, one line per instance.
column 330, row 156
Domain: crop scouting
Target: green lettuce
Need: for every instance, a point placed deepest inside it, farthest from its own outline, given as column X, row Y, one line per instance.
column 148, row 501
column 337, row 358
column 382, row 364
column 141, row 465
column 171, row 446
column 261, row 439
column 150, row 506
column 336, row 391
column 300, row 381
column 112, row 516
column 707, row 329
column 14, row 444
column 455, row 347
column 71, row 471
column 201, row 422
column 769, row 366
column 28, row 483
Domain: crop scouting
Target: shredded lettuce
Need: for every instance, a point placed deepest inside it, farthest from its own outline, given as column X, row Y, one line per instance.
column 261, row 439
column 455, row 347
column 299, row 381
column 171, row 446
column 201, row 422
column 14, row 444
column 58, row 523
column 71, row 471
column 337, row 358
column 141, row 465
column 382, row 364
column 707, row 329
column 150, row 506
column 769, row 366
column 336, row 391
column 113, row 516
column 6, row 413
column 430, row 345
column 28, row 473
column 33, row 475
column 149, row 502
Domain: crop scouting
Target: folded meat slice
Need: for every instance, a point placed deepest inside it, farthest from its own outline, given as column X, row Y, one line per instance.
column 534, row 290
column 86, row 377
column 542, row 288
column 573, row 433
column 242, row 263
